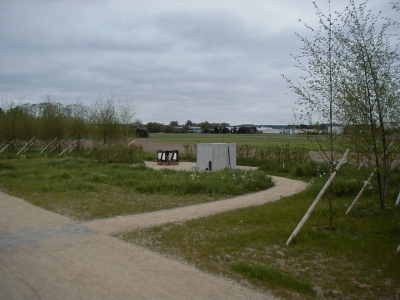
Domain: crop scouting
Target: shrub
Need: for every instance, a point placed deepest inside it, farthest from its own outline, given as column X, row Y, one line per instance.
column 118, row 154
column 311, row 169
column 345, row 187
column 142, row 132
column 190, row 151
column 276, row 153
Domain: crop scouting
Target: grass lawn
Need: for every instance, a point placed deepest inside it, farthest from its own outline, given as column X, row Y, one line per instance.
column 85, row 190
column 357, row 260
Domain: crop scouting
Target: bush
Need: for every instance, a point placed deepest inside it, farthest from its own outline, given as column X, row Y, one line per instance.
column 118, row 154
column 311, row 169
column 142, row 132
column 276, row 153
column 223, row 182
column 345, row 187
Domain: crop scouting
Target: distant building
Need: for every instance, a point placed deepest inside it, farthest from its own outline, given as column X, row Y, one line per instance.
column 194, row 129
column 269, row 130
column 336, row 129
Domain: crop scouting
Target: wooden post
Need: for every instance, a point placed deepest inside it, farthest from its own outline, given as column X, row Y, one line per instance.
column 321, row 193
column 6, row 146
column 361, row 192
column 26, row 145
column 58, row 144
column 47, row 145
column 68, row 148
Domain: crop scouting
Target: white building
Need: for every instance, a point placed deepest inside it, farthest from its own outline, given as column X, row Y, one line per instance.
column 215, row 156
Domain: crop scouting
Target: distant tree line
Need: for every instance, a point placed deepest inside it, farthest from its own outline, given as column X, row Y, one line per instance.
column 175, row 127
column 108, row 121
column 206, row 127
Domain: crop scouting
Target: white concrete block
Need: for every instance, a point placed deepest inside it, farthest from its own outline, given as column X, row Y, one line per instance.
column 216, row 156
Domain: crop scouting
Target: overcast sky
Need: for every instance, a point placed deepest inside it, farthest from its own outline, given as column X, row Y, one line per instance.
column 215, row 61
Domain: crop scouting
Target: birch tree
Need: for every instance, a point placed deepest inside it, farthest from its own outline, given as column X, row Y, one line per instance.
column 370, row 87
column 352, row 77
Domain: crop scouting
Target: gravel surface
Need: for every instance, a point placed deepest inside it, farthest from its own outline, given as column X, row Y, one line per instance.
column 44, row 255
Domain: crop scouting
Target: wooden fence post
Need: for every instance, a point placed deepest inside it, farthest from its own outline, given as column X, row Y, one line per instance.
column 361, row 192
column 27, row 145
column 321, row 193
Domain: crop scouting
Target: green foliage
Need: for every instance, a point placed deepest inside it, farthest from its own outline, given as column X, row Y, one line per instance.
column 311, row 169
column 275, row 153
column 6, row 166
column 190, row 152
column 223, row 182
column 273, row 276
column 142, row 132
column 154, row 127
column 84, row 189
column 249, row 244
column 118, row 154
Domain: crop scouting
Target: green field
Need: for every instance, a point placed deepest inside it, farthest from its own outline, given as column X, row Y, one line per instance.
column 250, row 139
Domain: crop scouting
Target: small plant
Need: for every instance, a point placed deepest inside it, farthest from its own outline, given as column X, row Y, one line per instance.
column 274, row 153
column 274, row 277
column 190, row 151
column 117, row 154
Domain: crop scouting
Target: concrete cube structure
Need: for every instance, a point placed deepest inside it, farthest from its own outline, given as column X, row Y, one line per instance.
column 215, row 156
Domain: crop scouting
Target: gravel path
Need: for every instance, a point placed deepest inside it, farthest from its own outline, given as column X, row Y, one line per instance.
column 44, row 255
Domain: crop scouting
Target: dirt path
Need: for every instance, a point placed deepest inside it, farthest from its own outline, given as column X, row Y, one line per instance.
column 47, row 256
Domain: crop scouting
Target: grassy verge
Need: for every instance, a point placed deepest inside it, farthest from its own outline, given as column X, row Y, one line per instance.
column 358, row 260
column 86, row 190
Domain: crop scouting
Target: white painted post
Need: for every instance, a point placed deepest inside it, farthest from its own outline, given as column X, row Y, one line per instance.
column 321, row 193
column 26, row 145
column 58, row 143
column 6, row 146
column 68, row 148
column 361, row 192
column 398, row 199
column 47, row 145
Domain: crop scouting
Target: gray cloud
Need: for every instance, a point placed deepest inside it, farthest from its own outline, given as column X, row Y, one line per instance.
column 218, row 61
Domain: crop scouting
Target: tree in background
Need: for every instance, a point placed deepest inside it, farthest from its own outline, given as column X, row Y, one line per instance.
column 11, row 123
column 352, row 78
column 205, row 126
column 370, row 87
column 317, row 89
column 105, row 122
column 174, row 123
column 140, row 129
column 154, row 127
column 126, row 110
column 77, row 117
column 51, row 120
column 28, row 121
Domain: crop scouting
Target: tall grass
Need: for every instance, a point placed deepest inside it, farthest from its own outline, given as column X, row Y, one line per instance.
column 276, row 153
column 358, row 260
column 84, row 189
column 117, row 154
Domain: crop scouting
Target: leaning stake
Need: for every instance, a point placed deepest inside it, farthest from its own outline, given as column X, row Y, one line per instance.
column 361, row 192
column 321, row 193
